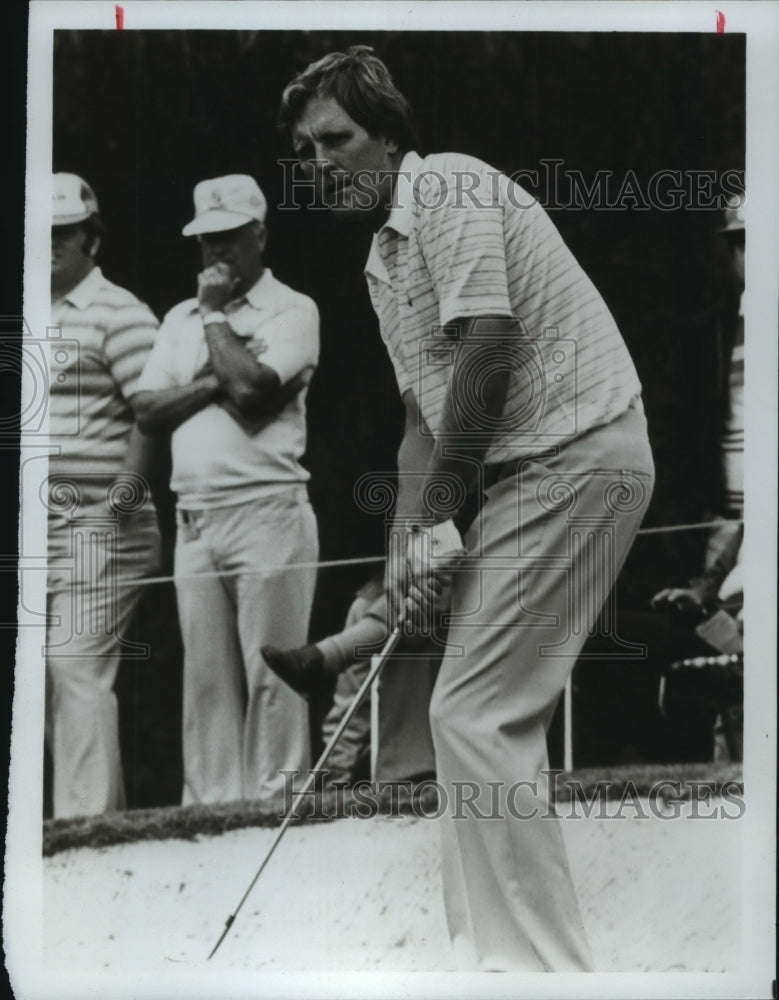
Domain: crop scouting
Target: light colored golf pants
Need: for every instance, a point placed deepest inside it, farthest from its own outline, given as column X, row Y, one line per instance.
column 542, row 557
column 90, row 611
column 242, row 725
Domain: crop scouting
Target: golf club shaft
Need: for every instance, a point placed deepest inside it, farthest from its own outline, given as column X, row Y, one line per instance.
column 371, row 676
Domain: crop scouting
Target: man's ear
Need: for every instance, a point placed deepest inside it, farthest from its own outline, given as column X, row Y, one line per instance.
column 262, row 236
column 94, row 247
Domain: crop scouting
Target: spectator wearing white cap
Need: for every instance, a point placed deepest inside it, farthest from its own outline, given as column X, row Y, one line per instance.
column 229, row 377
column 102, row 525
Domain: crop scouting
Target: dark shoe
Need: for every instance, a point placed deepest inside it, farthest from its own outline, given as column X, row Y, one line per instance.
column 302, row 669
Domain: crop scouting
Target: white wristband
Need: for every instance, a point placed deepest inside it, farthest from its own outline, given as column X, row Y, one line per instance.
column 445, row 540
column 214, row 317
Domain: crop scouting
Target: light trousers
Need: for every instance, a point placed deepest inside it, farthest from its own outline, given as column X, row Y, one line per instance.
column 242, row 725
column 543, row 555
column 90, row 609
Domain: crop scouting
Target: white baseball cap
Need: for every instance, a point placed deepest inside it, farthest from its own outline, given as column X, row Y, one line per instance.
column 73, row 200
column 226, row 203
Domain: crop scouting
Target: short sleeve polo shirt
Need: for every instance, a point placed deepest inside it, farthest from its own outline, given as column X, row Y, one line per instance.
column 216, row 462
column 462, row 241
column 106, row 337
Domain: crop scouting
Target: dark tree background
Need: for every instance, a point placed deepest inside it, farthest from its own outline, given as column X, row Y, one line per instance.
column 145, row 115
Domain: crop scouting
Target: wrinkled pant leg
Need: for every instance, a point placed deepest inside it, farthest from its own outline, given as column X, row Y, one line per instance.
column 405, row 743
column 513, row 639
column 90, row 613
column 274, row 608
column 213, row 700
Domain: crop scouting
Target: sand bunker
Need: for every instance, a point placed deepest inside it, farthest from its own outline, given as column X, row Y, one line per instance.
column 365, row 895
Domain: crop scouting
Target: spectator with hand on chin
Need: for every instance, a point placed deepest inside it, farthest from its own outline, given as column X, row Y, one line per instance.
column 228, row 377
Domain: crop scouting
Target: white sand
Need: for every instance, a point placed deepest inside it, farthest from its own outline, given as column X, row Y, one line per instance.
column 365, row 895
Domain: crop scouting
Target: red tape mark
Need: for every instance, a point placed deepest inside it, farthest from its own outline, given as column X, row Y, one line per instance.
column 720, row 22
column 119, row 11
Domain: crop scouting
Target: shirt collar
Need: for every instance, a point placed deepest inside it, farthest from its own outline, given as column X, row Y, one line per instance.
column 400, row 217
column 259, row 289
column 82, row 295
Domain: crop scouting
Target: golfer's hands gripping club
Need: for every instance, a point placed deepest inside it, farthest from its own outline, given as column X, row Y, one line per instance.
column 419, row 576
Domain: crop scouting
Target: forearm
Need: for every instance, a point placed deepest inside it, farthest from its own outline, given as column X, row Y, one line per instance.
column 466, row 432
column 148, row 456
column 167, row 409
column 414, row 456
column 722, row 546
column 248, row 384
column 145, row 456
column 721, row 555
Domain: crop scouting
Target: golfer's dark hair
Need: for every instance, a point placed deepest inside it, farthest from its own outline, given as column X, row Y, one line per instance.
column 361, row 83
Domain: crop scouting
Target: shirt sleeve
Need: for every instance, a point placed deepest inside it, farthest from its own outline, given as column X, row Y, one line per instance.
column 160, row 371
column 294, row 344
column 128, row 343
column 462, row 239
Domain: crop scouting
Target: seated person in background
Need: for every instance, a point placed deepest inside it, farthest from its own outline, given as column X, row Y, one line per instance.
column 620, row 716
column 365, row 627
column 405, row 750
column 717, row 592
column 696, row 701
column 316, row 667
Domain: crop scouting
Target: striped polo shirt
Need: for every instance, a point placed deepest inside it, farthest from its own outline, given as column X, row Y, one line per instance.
column 463, row 240
column 106, row 337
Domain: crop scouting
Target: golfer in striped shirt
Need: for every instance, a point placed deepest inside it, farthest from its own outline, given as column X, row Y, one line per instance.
column 509, row 361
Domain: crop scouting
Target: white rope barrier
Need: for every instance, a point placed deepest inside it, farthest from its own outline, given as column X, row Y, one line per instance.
column 667, row 529
column 144, row 581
